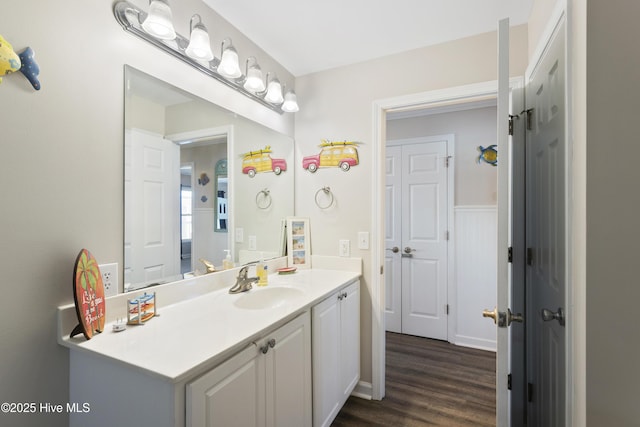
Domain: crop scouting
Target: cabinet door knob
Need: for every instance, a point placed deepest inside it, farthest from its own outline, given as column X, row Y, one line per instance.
column 272, row 342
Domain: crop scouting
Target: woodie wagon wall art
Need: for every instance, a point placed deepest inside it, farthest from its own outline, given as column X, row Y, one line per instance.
column 342, row 154
column 261, row 161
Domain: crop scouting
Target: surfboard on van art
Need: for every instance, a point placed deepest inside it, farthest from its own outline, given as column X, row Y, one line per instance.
column 342, row 154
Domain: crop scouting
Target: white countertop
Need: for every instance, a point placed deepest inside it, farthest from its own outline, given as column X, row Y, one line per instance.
column 205, row 330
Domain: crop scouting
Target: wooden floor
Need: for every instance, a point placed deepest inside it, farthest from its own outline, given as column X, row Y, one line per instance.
column 429, row 383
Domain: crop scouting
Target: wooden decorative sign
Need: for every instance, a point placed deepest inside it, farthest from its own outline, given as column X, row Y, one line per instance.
column 88, row 294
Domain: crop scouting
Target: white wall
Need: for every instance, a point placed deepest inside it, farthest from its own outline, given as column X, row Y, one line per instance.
column 338, row 104
column 65, row 142
column 612, row 204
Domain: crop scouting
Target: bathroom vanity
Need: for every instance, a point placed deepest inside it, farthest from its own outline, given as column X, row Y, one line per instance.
column 282, row 355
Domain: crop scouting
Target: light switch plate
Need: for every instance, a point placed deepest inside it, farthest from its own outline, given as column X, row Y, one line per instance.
column 253, row 244
column 239, row 235
column 363, row 240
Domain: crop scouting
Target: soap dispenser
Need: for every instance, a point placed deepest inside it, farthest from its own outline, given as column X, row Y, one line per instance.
column 261, row 272
column 227, row 262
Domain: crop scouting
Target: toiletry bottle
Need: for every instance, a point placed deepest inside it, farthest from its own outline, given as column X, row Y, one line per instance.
column 227, row 262
column 261, row 272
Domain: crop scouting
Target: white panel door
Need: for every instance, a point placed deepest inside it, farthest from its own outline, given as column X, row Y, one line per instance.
column 424, row 239
column 546, row 235
column 152, row 228
column 393, row 240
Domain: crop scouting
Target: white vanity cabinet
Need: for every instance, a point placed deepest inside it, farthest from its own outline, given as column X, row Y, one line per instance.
column 207, row 359
column 336, row 352
column 266, row 384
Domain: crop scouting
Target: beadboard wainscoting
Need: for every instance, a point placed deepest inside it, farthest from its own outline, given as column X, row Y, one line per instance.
column 475, row 279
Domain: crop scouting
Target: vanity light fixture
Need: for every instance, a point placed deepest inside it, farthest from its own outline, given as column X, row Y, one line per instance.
column 229, row 66
column 253, row 80
column 159, row 21
column 199, row 46
column 156, row 28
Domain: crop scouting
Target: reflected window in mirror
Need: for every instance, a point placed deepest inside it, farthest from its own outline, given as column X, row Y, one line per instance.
column 222, row 190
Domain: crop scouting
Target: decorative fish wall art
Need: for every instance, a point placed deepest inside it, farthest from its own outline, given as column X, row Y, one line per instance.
column 24, row 62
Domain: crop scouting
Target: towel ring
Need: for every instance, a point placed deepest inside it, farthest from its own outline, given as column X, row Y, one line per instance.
column 263, row 202
column 328, row 193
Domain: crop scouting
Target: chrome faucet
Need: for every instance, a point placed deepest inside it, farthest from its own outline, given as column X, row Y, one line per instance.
column 243, row 282
column 209, row 266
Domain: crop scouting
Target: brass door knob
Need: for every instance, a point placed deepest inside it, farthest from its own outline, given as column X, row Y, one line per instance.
column 491, row 313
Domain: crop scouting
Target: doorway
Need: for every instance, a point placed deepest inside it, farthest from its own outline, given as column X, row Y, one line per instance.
column 469, row 224
column 460, row 98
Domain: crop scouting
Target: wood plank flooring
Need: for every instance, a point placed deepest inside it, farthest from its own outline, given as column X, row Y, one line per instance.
column 429, row 383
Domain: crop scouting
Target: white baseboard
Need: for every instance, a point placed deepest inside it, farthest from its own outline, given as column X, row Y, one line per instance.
column 472, row 342
column 363, row 390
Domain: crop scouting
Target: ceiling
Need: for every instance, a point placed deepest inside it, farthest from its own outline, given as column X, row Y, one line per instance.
column 307, row 36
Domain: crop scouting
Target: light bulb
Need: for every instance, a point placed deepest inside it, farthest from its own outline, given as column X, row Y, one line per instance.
column 199, row 47
column 274, row 92
column 254, row 81
column 159, row 20
column 229, row 66
column 290, row 104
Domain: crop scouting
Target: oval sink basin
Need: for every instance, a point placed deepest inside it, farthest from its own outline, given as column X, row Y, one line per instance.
column 258, row 299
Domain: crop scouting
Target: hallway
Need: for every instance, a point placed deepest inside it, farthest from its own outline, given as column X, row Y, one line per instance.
column 429, row 382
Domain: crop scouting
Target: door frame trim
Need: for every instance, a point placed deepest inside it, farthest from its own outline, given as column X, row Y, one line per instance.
column 458, row 96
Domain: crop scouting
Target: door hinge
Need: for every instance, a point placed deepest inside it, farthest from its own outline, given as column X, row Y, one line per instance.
column 529, row 256
column 447, row 235
column 511, row 117
column 381, row 269
column 510, row 254
column 509, row 382
column 446, row 161
column 529, row 392
column 447, row 307
column 529, row 118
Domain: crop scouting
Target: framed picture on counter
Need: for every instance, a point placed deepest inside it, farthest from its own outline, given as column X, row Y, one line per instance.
column 298, row 242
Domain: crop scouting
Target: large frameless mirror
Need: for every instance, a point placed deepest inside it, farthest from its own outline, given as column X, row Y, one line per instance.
column 188, row 194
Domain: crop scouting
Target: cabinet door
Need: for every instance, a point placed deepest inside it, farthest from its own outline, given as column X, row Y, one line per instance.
column 232, row 394
column 288, row 371
column 326, row 360
column 349, row 340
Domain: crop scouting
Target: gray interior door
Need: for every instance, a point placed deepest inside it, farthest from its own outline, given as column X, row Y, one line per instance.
column 547, row 235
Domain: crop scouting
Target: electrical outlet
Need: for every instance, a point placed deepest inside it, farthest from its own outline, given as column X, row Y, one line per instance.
column 363, row 240
column 345, row 247
column 253, row 244
column 109, row 274
column 239, row 235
